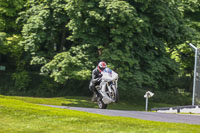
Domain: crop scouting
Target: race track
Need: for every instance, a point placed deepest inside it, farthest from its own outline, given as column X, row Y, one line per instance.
column 153, row 116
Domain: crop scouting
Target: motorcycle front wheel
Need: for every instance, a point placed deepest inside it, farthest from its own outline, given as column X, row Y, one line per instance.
column 101, row 104
column 116, row 94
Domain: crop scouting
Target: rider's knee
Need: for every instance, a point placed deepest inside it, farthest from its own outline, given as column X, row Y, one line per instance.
column 91, row 87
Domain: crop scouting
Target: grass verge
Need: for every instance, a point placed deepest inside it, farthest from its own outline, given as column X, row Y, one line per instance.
column 76, row 101
column 17, row 116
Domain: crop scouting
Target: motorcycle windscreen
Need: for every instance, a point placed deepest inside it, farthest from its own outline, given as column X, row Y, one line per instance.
column 108, row 74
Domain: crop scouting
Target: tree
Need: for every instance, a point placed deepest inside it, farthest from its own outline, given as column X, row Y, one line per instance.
column 9, row 29
column 68, row 37
column 8, row 13
column 44, row 38
column 183, row 54
column 44, row 30
column 133, row 36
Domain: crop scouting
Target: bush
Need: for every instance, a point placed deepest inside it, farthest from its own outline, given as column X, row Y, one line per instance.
column 21, row 80
column 172, row 98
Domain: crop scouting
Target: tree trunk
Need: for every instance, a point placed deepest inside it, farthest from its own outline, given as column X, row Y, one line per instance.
column 63, row 39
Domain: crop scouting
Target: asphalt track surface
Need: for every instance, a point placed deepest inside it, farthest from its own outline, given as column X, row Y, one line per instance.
column 153, row 116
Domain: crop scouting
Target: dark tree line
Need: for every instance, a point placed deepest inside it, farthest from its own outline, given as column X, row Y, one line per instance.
column 145, row 41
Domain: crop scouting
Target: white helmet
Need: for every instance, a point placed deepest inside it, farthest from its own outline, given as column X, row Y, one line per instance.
column 101, row 66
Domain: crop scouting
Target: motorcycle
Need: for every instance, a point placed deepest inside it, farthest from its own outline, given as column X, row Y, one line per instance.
column 107, row 89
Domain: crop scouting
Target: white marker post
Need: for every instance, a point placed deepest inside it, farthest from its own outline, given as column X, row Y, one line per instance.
column 195, row 65
column 147, row 95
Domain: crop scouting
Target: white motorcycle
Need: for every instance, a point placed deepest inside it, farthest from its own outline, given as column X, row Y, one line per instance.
column 107, row 89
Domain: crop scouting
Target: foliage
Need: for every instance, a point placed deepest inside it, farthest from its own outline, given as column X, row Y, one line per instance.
column 142, row 40
column 14, row 49
column 43, row 29
column 22, row 80
column 131, row 37
column 47, row 41
column 2, row 41
column 9, row 29
column 183, row 54
column 8, row 13
column 10, row 32
column 72, row 64
column 11, row 48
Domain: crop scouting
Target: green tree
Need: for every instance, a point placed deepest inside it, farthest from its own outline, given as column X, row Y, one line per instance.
column 133, row 36
column 137, row 38
column 9, row 40
column 9, row 29
column 9, row 10
column 183, row 54
column 44, row 38
column 44, row 33
column 72, row 64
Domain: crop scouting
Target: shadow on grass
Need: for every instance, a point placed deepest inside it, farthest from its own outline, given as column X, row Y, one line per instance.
column 87, row 103
column 122, row 105
column 79, row 102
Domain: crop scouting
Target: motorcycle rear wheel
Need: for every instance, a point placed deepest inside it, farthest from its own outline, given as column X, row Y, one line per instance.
column 101, row 104
column 116, row 96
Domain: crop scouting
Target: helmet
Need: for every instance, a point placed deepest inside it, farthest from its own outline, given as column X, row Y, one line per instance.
column 101, row 66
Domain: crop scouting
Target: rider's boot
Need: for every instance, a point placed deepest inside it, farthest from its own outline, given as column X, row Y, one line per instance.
column 94, row 97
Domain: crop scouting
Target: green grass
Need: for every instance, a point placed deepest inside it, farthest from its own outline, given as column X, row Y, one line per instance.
column 22, row 115
column 86, row 102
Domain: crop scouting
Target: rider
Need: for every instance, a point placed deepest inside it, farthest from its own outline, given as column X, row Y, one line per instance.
column 96, row 78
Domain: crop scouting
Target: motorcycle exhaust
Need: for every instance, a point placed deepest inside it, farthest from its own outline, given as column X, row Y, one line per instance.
column 105, row 98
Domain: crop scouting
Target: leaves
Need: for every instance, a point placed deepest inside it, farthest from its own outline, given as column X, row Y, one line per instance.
column 44, row 30
column 72, row 64
column 130, row 35
column 66, row 38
